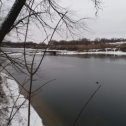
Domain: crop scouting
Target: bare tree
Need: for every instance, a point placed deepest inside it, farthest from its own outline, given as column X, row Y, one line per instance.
column 48, row 15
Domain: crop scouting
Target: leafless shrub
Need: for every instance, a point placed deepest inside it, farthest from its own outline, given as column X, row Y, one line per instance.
column 48, row 16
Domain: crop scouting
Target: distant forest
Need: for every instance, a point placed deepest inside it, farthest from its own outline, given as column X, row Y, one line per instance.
column 86, row 41
column 77, row 45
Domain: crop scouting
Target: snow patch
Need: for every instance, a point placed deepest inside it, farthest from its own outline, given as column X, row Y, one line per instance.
column 14, row 98
column 118, row 43
column 118, row 53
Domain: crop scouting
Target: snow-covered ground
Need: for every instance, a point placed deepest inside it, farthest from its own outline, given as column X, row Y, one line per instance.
column 107, row 51
column 65, row 52
column 9, row 97
column 118, row 43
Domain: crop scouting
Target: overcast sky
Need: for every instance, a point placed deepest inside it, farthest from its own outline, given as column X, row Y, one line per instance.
column 110, row 22
column 111, row 19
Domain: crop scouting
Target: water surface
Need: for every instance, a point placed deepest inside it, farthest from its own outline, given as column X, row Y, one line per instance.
column 60, row 101
column 77, row 77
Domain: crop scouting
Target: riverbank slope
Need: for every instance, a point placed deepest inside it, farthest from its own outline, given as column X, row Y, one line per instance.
column 14, row 106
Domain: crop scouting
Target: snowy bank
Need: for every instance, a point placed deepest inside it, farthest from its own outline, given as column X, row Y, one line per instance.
column 65, row 52
column 30, row 52
column 9, row 97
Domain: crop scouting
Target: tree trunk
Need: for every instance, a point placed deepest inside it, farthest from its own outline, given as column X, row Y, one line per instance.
column 11, row 17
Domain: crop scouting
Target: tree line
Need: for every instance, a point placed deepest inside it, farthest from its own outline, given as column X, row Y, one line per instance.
column 86, row 41
column 83, row 41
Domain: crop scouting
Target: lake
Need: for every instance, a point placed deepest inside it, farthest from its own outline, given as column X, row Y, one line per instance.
column 75, row 80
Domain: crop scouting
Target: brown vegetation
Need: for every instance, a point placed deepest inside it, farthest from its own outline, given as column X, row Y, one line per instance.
column 86, row 44
column 73, row 45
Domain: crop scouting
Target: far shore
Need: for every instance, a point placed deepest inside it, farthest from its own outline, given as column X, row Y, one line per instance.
column 19, row 51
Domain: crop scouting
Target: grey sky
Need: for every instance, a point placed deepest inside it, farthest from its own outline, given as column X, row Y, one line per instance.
column 110, row 22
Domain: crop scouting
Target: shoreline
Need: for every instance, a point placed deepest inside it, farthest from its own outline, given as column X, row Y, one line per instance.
column 30, row 51
column 118, row 53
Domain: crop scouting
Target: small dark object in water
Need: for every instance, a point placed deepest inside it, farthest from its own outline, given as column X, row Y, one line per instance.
column 0, row 79
column 97, row 82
